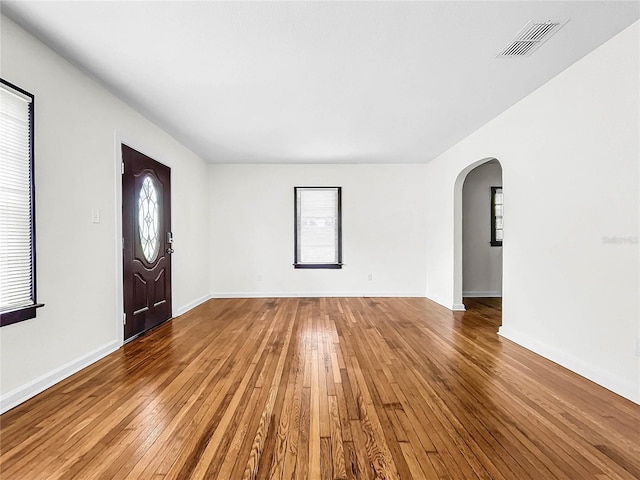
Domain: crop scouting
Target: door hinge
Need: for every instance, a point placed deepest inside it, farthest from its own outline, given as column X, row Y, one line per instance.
column 122, row 168
column 124, row 318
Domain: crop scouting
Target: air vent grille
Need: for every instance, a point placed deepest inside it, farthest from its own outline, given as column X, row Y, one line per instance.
column 532, row 35
column 538, row 31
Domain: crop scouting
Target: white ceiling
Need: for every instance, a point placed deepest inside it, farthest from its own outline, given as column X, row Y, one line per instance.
column 318, row 82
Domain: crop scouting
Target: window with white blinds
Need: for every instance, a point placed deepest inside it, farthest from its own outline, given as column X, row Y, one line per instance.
column 318, row 230
column 17, row 270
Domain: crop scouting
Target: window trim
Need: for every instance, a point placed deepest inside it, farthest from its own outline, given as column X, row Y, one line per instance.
column 494, row 241
column 329, row 266
column 26, row 312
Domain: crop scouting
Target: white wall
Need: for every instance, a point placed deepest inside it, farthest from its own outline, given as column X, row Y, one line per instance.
column 79, row 263
column 570, row 158
column 481, row 262
column 252, row 226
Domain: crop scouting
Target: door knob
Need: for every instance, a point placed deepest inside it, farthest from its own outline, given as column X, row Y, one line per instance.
column 170, row 250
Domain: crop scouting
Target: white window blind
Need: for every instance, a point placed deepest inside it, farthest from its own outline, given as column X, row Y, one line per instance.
column 318, row 226
column 16, row 241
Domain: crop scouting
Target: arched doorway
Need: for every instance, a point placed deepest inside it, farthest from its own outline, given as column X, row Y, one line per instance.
column 477, row 264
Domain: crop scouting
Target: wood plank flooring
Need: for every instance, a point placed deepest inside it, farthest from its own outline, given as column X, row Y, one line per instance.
column 328, row 388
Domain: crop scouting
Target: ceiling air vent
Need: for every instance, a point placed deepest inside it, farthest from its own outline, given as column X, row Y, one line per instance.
column 532, row 35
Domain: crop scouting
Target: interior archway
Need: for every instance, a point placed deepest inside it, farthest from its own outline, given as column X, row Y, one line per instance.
column 458, row 228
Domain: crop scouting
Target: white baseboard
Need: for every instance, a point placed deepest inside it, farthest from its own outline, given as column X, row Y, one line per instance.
column 622, row 387
column 455, row 307
column 31, row 389
column 185, row 308
column 315, row 294
column 482, row 294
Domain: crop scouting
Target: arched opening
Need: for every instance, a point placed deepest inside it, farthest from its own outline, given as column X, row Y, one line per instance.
column 477, row 263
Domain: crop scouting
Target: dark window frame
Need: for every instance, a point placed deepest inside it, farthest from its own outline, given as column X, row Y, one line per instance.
column 494, row 241
column 27, row 312
column 296, row 262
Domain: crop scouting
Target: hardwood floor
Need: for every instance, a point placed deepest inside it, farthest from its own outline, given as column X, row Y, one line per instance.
column 324, row 388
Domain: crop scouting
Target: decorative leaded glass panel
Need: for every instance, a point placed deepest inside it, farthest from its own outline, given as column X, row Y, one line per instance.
column 149, row 219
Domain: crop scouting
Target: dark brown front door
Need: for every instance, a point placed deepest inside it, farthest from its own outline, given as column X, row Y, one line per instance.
column 146, row 231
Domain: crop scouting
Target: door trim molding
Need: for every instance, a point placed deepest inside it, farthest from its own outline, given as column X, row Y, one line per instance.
column 119, row 139
column 119, row 287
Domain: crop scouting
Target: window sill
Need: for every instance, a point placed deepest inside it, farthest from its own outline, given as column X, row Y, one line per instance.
column 19, row 315
column 329, row 266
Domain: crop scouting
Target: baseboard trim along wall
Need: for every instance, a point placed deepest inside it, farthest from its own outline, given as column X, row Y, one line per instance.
column 605, row 379
column 482, row 294
column 617, row 385
column 25, row 392
column 31, row 389
column 458, row 307
column 315, row 294
column 185, row 308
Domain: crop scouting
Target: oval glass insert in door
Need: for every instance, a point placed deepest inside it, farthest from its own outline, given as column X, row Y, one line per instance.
column 149, row 219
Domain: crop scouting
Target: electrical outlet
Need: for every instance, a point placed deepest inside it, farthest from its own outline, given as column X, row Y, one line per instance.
column 95, row 215
column 370, row 277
